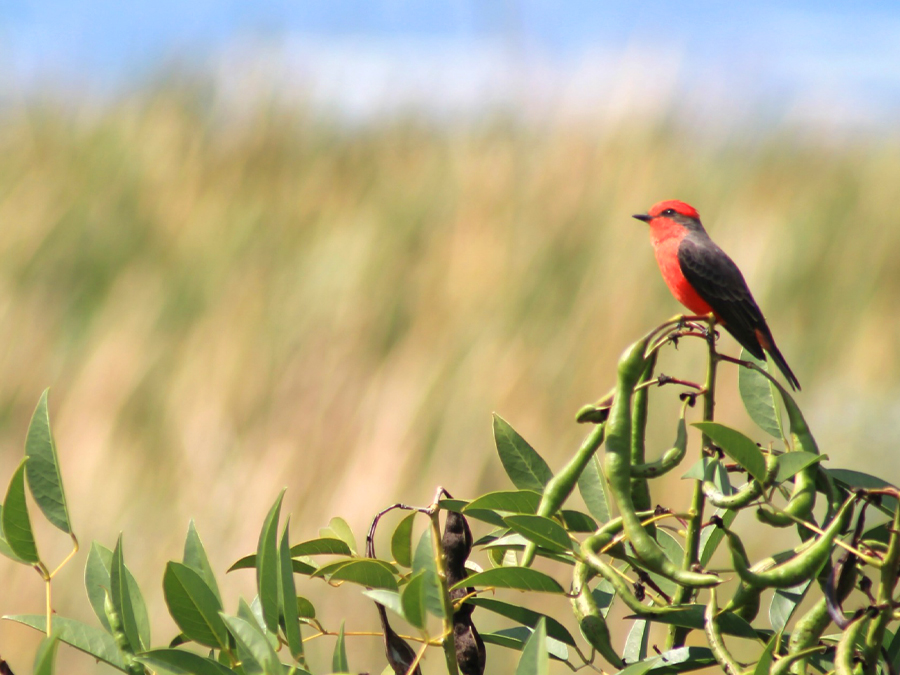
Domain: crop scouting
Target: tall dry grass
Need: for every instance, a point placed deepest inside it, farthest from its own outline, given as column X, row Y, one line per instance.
column 224, row 307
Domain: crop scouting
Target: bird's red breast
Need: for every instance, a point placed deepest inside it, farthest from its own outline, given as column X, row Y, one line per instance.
column 667, row 257
column 666, row 235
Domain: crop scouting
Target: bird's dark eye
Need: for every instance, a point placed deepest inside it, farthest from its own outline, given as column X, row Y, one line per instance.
column 669, row 212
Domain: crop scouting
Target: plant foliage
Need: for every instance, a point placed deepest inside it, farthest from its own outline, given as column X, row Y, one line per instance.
column 831, row 597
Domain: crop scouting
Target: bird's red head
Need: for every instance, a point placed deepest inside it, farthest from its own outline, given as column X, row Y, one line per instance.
column 678, row 207
column 671, row 219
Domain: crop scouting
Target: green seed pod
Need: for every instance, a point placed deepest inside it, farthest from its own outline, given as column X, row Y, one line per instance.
column 802, row 566
column 590, row 620
column 714, row 636
column 745, row 602
column 746, row 494
column 617, row 465
column 846, row 648
column 596, row 413
column 604, row 536
column 620, row 586
column 806, row 634
column 640, row 486
column 800, row 505
column 671, row 457
column 116, row 626
column 558, row 488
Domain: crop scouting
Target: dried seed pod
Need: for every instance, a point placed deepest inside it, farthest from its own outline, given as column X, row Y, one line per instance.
column 456, row 544
column 471, row 656
column 400, row 655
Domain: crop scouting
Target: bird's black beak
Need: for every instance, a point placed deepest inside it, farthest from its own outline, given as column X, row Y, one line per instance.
column 642, row 216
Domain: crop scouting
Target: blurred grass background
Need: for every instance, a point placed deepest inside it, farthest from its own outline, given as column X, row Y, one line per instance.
column 226, row 305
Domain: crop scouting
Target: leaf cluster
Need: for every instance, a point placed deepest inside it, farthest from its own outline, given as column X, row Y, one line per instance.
column 614, row 546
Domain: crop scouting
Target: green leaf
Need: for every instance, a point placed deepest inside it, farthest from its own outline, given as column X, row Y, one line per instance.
column 363, row 571
column 674, row 552
column 423, row 560
column 641, row 667
column 249, row 562
column 534, row 660
column 881, row 533
column 791, row 463
column 16, row 522
column 89, row 639
column 692, row 617
column 764, row 665
column 711, row 535
column 512, row 501
column 698, row 469
column 576, row 521
column 784, row 603
column 542, row 531
column 636, row 642
column 96, row 579
column 251, row 639
column 455, row 505
column 758, row 397
column 389, row 599
column 507, row 541
column 252, row 614
column 339, row 529
column 4, row 545
column 893, row 650
column 720, row 477
column 592, row 485
column 401, row 541
column 517, row 636
column 680, row 660
column 128, row 602
column 519, row 578
column 339, row 663
column 195, row 558
column 321, row 546
column 44, row 478
column 193, row 606
column 412, row 599
column 604, row 595
column 737, row 446
column 287, row 597
column 305, row 609
column 490, row 517
column 182, row 662
column 683, row 659
column 526, row 617
column 857, row 479
column 526, row 468
column 45, row 657
column 267, row 565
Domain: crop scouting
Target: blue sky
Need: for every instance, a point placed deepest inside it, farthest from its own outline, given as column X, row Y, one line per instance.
column 811, row 56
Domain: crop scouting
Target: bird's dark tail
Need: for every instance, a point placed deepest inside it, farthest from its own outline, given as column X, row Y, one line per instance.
column 779, row 361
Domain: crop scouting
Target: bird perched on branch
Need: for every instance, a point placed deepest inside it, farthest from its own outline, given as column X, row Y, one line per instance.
column 704, row 279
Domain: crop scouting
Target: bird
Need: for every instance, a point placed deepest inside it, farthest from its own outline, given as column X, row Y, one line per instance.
column 704, row 279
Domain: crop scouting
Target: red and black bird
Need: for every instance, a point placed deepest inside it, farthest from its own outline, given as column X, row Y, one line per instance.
column 704, row 279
